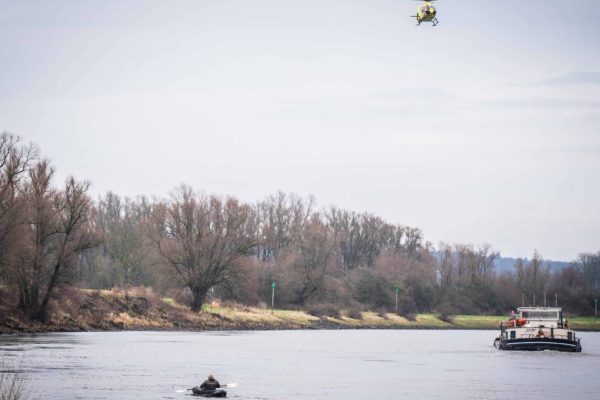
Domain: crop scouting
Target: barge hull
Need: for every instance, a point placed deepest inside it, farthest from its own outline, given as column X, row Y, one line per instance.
column 540, row 344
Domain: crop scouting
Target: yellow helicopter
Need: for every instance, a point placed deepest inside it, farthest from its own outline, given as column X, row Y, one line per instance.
column 426, row 13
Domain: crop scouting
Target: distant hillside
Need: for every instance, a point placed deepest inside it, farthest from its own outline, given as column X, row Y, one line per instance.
column 506, row 264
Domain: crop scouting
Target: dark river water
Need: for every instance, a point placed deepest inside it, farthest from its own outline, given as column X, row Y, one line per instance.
column 289, row 365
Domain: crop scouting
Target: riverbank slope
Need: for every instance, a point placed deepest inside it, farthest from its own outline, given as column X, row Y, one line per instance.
column 100, row 310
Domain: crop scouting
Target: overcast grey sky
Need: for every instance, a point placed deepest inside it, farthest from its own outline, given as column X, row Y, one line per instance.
column 484, row 129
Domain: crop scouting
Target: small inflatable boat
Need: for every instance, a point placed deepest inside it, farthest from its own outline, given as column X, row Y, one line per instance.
column 208, row 393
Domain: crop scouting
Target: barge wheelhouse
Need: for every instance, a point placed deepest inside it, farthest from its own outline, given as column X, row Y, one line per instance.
column 537, row 328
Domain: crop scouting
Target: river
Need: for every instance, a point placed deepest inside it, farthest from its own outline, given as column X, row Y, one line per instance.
column 291, row 365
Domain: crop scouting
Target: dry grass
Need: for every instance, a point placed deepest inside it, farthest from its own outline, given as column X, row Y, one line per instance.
column 478, row 321
column 431, row 321
column 12, row 386
column 585, row 323
column 141, row 308
column 257, row 317
column 401, row 320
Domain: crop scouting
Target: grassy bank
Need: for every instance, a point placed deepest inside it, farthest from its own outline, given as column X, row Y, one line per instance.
column 141, row 309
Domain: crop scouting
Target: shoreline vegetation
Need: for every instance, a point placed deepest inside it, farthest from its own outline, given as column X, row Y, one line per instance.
column 194, row 248
column 141, row 309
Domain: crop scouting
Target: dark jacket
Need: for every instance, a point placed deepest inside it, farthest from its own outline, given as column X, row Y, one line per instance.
column 210, row 384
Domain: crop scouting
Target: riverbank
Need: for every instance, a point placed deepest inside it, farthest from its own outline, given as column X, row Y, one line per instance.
column 99, row 310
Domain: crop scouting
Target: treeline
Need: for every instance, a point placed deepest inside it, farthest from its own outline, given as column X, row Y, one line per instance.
column 199, row 247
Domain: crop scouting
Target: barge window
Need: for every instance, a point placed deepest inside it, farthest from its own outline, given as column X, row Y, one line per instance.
column 541, row 315
column 513, row 334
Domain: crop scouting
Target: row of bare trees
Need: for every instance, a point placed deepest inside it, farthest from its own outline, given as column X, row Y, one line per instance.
column 208, row 242
column 203, row 245
column 332, row 256
column 43, row 229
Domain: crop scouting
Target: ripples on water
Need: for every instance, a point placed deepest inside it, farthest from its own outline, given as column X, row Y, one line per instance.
column 290, row 365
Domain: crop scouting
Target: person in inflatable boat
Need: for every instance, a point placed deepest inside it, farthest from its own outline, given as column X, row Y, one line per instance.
column 210, row 384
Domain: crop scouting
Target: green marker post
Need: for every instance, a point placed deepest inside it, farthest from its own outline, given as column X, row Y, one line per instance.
column 272, row 296
column 397, row 291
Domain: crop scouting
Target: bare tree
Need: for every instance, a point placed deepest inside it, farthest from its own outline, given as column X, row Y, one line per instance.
column 532, row 277
column 357, row 237
column 446, row 267
column 361, row 238
column 589, row 265
column 202, row 239
column 57, row 229
column 315, row 253
column 281, row 218
column 125, row 248
column 15, row 160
